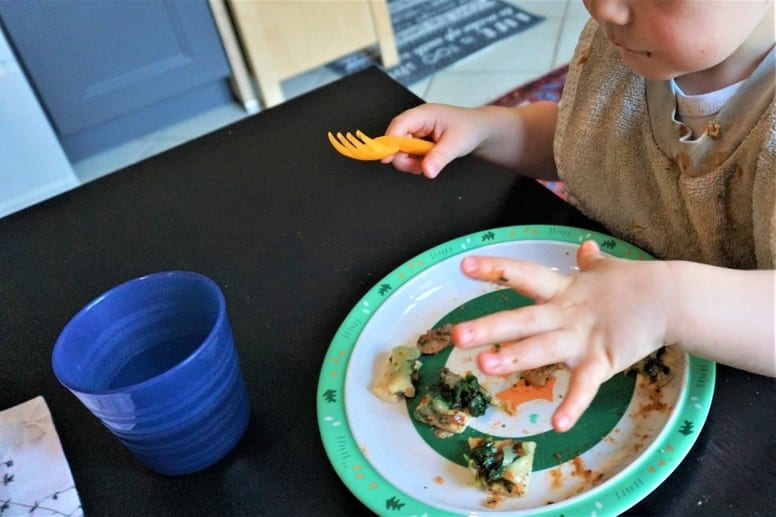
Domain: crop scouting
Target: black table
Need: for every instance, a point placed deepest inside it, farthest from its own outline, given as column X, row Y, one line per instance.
column 295, row 234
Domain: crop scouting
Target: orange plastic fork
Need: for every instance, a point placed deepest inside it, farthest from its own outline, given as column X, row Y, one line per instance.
column 361, row 147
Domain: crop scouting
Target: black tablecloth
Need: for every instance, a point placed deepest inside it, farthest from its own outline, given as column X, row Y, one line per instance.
column 295, row 234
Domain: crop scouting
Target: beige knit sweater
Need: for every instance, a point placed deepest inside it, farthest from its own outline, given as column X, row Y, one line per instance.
column 630, row 165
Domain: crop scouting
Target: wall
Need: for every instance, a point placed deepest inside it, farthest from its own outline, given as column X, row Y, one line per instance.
column 33, row 166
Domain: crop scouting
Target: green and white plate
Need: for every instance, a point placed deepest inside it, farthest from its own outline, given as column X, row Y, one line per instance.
column 627, row 443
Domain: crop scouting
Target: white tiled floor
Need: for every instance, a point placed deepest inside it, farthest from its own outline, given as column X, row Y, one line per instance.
column 473, row 81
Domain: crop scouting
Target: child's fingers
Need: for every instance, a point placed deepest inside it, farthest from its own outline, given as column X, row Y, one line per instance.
column 536, row 351
column 437, row 159
column 429, row 165
column 529, row 279
column 417, row 121
column 588, row 254
column 406, row 163
column 503, row 326
column 586, row 378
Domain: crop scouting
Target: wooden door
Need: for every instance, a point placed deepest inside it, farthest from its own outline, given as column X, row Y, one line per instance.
column 283, row 38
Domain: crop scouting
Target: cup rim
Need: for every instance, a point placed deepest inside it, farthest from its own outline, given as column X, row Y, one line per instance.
column 219, row 322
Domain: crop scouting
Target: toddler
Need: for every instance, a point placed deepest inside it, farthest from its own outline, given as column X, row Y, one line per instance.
column 666, row 134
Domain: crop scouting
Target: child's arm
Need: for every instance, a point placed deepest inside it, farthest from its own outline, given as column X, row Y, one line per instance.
column 727, row 315
column 615, row 312
column 518, row 138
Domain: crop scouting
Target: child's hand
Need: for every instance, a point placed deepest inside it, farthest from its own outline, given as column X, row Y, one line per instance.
column 456, row 131
column 598, row 322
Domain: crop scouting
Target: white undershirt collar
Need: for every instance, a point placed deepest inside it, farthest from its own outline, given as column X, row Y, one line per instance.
column 698, row 111
column 705, row 104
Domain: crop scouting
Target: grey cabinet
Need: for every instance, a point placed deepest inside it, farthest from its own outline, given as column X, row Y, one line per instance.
column 108, row 71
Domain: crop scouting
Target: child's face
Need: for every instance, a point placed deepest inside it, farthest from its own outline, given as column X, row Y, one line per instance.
column 664, row 39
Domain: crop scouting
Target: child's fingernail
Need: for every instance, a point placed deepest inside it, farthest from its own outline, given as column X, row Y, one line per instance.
column 469, row 264
column 465, row 334
column 562, row 423
column 490, row 362
column 431, row 170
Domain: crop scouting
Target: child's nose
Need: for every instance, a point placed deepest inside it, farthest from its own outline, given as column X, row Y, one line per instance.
column 616, row 12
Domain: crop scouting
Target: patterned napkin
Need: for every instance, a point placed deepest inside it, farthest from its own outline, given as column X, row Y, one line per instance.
column 35, row 478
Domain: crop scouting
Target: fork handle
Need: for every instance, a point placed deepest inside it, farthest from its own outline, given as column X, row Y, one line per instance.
column 408, row 145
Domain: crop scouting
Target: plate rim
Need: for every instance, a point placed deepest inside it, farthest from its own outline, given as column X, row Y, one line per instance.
column 669, row 447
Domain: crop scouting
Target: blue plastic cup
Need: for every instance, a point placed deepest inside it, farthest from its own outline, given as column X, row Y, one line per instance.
column 154, row 360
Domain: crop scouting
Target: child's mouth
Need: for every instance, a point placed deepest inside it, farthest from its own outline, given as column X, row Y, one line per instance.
column 640, row 53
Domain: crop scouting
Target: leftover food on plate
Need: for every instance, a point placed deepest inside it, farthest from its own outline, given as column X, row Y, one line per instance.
column 541, row 375
column 501, row 467
column 452, row 402
column 396, row 379
column 657, row 367
column 436, row 340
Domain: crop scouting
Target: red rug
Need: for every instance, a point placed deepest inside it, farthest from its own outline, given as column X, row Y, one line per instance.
column 549, row 87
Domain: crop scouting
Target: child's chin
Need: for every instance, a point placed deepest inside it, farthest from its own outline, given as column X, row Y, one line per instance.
column 650, row 73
